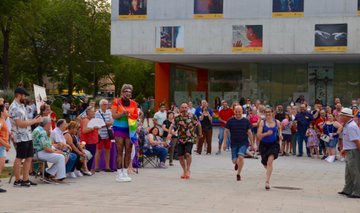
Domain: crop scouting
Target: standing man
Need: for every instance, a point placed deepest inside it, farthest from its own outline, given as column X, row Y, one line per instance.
column 224, row 115
column 160, row 117
column 191, row 108
column 124, row 112
column 66, row 109
column 303, row 119
column 240, row 134
column 351, row 151
column 21, row 133
column 186, row 123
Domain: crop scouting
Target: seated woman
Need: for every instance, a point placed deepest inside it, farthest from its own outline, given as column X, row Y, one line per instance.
column 83, row 155
column 157, row 146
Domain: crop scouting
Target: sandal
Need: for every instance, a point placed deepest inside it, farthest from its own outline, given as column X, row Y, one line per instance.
column 183, row 176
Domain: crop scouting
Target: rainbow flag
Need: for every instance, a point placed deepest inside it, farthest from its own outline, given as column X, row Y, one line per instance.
column 126, row 123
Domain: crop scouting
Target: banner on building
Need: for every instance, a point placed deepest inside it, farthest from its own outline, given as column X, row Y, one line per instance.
column 288, row 8
column 204, row 9
column 170, row 39
column 40, row 96
column 132, row 9
column 331, row 37
column 358, row 7
column 247, row 38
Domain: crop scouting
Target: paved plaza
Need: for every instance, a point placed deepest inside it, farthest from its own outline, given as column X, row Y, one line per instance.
column 212, row 188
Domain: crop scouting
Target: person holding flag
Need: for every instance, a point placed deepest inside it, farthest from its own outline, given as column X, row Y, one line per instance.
column 125, row 115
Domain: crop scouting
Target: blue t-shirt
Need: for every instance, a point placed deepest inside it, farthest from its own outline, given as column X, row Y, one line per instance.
column 238, row 130
column 303, row 121
column 198, row 112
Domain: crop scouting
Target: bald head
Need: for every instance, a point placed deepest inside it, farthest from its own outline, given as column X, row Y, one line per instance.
column 238, row 110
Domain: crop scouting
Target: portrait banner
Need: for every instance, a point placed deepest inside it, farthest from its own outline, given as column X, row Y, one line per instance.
column 247, row 38
column 170, row 39
column 288, row 8
column 40, row 96
column 208, row 9
column 132, row 9
column 331, row 37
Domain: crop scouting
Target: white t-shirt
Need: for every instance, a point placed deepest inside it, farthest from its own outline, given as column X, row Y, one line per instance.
column 160, row 118
column 57, row 136
column 65, row 108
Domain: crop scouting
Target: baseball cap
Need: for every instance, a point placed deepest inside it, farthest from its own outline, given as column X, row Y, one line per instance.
column 21, row 91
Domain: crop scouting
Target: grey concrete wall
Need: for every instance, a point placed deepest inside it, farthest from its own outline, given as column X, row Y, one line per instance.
column 214, row 36
column 183, row 9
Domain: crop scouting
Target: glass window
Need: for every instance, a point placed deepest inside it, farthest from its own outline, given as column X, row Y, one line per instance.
column 347, row 82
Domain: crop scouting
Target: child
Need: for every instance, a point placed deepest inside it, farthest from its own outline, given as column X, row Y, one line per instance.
column 4, row 138
column 312, row 141
column 286, row 133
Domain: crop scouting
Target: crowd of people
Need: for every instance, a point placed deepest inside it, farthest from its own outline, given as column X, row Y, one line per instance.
column 73, row 144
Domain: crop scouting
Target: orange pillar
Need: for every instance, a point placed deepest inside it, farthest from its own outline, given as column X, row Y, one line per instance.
column 162, row 84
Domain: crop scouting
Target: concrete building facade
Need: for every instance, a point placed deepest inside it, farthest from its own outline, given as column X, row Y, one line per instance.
column 299, row 52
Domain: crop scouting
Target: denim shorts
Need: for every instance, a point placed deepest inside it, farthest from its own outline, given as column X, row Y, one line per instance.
column 2, row 152
column 332, row 143
column 238, row 150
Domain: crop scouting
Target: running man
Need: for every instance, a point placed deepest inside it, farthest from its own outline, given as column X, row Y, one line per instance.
column 239, row 129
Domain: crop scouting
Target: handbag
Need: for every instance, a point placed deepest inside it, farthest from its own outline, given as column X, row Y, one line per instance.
column 109, row 131
column 325, row 138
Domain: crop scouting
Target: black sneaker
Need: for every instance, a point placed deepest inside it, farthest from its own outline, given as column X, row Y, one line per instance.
column 17, row 183
column 30, row 182
column 2, row 190
column 20, row 183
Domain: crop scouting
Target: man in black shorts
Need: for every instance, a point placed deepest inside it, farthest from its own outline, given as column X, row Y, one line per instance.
column 186, row 123
column 21, row 132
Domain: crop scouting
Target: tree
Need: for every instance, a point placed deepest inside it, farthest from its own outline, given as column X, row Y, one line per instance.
column 8, row 11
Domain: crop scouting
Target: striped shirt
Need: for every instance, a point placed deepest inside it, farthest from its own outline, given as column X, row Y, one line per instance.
column 108, row 118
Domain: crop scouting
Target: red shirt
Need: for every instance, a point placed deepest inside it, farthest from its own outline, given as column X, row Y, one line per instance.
column 319, row 122
column 91, row 137
column 225, row 115
column 53, row 120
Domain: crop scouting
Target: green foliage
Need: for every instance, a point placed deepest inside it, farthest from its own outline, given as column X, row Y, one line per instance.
column 54, row 38
column 7, row 95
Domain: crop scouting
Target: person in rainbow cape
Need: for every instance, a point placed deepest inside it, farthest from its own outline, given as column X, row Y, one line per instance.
column 125, row 114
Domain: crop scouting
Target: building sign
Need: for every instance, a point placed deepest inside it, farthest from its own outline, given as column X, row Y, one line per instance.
column 247, row 38
column 132, row 9
column 208, row 9
column 288, row 8
column 331, row 37
column 170, row 39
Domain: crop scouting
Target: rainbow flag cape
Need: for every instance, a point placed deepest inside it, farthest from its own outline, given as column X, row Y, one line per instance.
column 129, row 122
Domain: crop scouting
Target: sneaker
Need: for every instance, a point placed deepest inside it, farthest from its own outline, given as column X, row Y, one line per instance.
column 126, row 176
column 120, row 176
column 30, row 182
column 71, row 175
column 78, row 173
column 2, row 190
column 162, row 165
column 21, row 183
column 218, row 152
